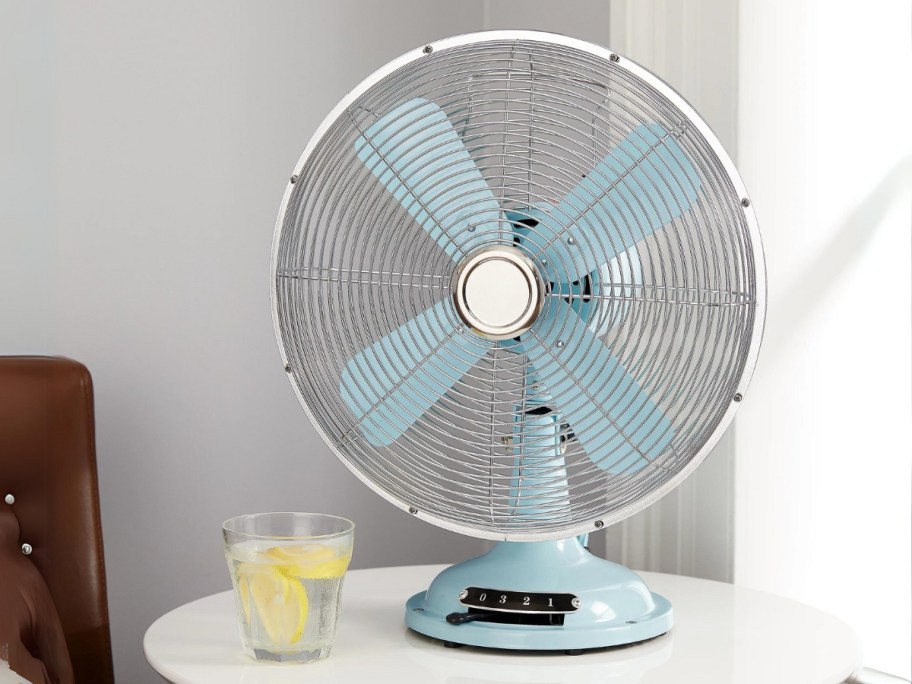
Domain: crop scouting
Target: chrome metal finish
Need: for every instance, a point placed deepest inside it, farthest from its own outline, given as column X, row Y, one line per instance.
column 535, row 112
column 26, row 549
column 10, row 499
column 498, row 292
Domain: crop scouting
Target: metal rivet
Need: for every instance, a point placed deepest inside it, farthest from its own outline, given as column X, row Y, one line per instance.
column 27, row 549
column 463, row 594
column 506, row 441
column 288, row 368
column 560, row 344
column 294, row 179
column 571, row 241
column 599, row 524
column 544, row 262
column 738, row 397
column 10, row 499
column 575, row 602
column 745, row 202
column 471, row 229
column 613, row 57
column 413, row 510
column 428, row 49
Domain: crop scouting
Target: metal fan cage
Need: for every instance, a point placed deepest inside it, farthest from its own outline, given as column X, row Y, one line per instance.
column 536, row 112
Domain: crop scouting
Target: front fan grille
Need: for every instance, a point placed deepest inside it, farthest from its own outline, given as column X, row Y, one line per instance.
column 679, row 309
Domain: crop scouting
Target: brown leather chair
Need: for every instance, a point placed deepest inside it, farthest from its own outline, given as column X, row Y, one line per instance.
column 53, row 600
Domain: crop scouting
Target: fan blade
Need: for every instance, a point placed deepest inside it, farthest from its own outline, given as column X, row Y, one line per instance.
column 415, row 152
column 393, row 382
column 617, row 423
column 641, row 185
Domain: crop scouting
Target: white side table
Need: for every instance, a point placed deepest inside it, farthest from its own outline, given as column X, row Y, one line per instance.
column 722, row 635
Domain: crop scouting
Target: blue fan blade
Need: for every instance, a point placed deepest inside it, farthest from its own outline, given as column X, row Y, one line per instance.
column 393, row 382
column 616, row 422
column 415, row 152
column 641, row 185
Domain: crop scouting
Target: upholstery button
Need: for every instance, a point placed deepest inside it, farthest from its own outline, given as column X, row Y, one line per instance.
column 10, row 499
column 27, row 549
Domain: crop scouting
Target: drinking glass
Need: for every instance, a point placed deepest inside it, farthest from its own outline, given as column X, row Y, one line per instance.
column 287, row 571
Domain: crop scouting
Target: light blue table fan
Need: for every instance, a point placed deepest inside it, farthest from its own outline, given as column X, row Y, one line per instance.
column 519, row 289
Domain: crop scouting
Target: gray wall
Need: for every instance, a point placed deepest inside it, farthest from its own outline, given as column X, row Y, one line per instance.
column 145, row 147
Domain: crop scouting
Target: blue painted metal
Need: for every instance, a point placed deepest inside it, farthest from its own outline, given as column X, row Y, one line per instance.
column 617, row 423
column 638, row 187
column 611, row 285
column 539, row 478
column 393, row 382
column 616, row 607
column 416, row 153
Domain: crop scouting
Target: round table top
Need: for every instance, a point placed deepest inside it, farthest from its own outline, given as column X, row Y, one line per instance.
column 722, row 634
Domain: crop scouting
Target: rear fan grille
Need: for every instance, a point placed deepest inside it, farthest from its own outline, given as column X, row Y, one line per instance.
column 680, row 310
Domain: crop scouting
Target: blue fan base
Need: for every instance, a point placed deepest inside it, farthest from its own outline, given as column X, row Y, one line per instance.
column 616, row 607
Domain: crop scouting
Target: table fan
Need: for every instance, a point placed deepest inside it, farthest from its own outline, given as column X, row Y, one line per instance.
column 519, row 289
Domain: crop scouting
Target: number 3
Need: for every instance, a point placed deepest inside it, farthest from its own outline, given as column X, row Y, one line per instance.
column 503, row 598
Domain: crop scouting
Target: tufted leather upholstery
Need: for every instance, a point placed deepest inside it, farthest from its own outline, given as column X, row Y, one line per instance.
column 53, row 601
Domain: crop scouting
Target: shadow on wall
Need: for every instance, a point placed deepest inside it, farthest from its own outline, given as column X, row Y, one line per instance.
column 845, row 247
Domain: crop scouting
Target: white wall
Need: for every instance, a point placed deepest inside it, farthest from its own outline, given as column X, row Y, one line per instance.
column 823, row 442
column 694, row 47
column 148, row 145
column 144, row 148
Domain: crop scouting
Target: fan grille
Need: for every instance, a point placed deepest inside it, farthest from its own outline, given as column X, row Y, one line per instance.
column 536, row 113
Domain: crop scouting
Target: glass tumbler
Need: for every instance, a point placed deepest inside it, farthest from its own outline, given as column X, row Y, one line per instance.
column 287, row 571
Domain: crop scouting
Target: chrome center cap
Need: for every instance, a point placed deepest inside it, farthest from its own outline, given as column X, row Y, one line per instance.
column 498, row 292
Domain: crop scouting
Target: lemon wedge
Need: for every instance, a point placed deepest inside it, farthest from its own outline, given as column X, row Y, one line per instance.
column 310, row 561
column 280, row 602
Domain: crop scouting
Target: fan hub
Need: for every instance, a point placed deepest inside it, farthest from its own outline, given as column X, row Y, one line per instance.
column 498, row 292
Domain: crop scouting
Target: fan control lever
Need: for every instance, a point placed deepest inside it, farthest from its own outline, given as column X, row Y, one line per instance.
column 458, row 618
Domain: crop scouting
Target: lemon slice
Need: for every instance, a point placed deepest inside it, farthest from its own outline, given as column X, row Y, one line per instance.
column 310, row 561
column 281, row 603
column 244, row 593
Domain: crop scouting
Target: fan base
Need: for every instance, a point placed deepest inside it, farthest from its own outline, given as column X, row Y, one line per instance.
column 613, row 608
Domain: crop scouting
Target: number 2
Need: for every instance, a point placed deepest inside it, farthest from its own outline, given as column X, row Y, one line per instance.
column 526, row 600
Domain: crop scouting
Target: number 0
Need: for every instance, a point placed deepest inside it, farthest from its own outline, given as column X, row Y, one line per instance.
column 483, row 597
